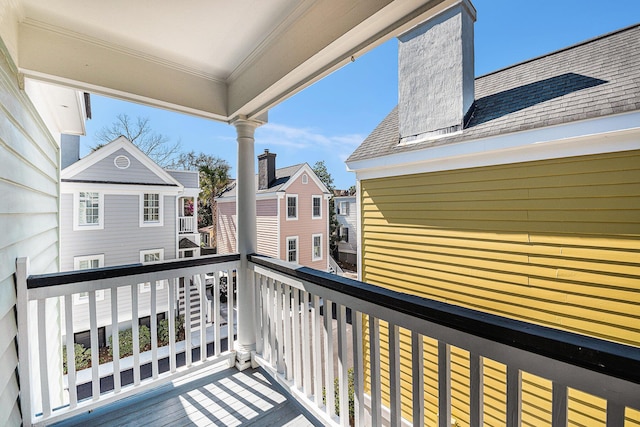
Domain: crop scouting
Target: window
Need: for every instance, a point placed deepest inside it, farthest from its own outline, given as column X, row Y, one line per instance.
column 292, row 249
column 88, row 210
column 305, row 179
column 316, row 207
column 344, row 234
column 150, row 210
column 151, row 255
column 317, row 247
column 292, row 207
column 84, row 263
column 343, row 208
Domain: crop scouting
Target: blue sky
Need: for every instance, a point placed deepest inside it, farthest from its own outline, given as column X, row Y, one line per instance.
column 328, row 120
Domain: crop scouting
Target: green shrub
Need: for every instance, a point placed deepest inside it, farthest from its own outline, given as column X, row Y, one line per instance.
column 125, row 341
column 82, row 356
column 350, row 393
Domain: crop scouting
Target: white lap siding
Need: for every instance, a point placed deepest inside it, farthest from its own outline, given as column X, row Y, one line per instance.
column 29, row 164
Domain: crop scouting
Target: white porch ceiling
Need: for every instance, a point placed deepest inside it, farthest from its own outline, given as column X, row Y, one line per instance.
column 213, row 58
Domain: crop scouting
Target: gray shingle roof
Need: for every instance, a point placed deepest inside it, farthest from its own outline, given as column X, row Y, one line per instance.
column 595, row 78
column 282, row 177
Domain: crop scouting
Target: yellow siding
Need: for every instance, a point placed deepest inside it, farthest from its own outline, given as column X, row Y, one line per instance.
column 553, row 242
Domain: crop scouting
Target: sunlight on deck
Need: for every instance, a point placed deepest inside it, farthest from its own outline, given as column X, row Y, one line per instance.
column 219, row 397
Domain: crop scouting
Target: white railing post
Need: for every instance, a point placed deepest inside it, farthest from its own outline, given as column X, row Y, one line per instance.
column 22, row 301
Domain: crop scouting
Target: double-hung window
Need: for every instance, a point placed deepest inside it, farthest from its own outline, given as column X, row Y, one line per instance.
column 292, row 207
column 292, row 249
column 150, row 209
column 88, row 210
column 151, row 255
column 317, row 247
column 85, row 263
column 316, row 207
column 343, row 208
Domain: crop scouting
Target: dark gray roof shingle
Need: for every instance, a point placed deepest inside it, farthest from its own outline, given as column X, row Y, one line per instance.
column 282, row 177
column 592, row 79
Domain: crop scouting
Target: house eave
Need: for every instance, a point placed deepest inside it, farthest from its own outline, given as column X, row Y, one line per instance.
column 612, row 133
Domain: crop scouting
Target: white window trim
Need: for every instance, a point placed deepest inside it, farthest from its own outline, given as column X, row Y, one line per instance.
column 84, row 299
column 313, row 252
column 312, row 199
column 146, row 287
column 76, row 213
column 160, row 221
column 342, row 211
column 305, row 179
column 287, row 207
column 297, row 249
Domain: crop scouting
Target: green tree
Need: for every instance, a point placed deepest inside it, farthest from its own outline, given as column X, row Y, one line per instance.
column 155, row 145
column 214, row 178
column 322, row 172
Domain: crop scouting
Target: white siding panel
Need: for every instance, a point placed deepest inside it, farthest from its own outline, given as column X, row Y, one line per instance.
column 9, row 411
column 29, row 159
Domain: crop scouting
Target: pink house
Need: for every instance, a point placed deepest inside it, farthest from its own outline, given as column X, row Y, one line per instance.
column 292, row 208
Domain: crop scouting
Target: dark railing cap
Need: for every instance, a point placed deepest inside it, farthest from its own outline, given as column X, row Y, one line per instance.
column 66, row 277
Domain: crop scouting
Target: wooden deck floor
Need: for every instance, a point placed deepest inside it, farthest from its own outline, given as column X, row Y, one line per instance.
column 220, row 397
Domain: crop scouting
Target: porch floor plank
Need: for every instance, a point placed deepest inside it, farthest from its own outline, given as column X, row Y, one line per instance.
column 220, row 396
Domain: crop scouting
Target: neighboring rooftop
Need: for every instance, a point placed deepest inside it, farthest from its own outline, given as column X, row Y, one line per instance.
column 595, row 78
column 282, row 177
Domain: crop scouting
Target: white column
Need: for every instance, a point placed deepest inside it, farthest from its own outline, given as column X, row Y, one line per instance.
column 246, row 240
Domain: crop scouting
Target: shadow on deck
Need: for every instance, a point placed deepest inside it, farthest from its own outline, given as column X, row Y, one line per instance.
column 218, row 397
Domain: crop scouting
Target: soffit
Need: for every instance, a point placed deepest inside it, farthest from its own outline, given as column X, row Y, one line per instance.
column 212, row 58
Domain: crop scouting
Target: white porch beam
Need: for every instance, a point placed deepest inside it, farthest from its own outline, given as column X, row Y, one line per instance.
column 87, row 64
column 246, row 240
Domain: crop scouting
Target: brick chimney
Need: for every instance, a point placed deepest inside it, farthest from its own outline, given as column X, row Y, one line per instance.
column 266, row 169
column 436, row 74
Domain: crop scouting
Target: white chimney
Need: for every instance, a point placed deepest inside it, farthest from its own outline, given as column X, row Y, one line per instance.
column 436, row 74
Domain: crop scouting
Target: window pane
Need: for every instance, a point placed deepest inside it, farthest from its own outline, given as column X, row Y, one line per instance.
column 292, row 248
column 89, row 208
column 151, row 207
column 292, row 207
column 317, row 247
column 152, row 257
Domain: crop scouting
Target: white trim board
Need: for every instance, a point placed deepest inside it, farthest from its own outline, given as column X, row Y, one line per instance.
column 604, row 135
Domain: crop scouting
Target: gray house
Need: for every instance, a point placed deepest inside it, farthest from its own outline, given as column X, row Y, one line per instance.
column 346, row 213
column 119, row 207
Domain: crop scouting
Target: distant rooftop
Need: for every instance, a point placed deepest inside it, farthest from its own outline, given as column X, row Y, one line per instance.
column 282, row 177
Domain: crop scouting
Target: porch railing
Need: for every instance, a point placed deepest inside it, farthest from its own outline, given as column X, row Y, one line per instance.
column 296, row 307
column 48, row 395
column 311, row 328
column 187, row 224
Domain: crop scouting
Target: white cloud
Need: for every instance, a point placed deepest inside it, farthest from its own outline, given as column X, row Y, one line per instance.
column 274, row 134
